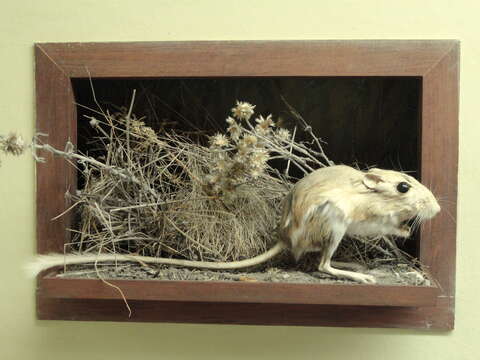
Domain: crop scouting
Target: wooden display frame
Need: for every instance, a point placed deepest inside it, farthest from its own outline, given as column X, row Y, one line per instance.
column 436, row 62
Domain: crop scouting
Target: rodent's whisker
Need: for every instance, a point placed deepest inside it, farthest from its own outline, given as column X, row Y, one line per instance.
column 450, row 215
column 444, row 200
column 417, row 222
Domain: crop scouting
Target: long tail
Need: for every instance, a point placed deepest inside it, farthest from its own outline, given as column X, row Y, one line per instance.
column 44, row 262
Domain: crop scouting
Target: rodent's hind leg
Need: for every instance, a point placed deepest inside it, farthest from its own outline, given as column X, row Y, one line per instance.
column 348, row 265
column 363, row 278
column 325, row 259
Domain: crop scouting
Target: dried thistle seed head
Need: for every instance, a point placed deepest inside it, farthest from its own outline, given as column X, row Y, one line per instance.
column 264, row 125
column 243, row 110
column 12, row 144
column 218, row 141
column 260, row 158
column 94, row 122
column 242, row 149
column 136, row 124
column 247, row 143
column 145, row 131
column 250, row 140
column 234, row 131
column 283, row 134
column 265, row 122
column 145, row 134
column 256, row 172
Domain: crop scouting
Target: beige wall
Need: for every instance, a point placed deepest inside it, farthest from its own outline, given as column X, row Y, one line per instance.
column 24, row 22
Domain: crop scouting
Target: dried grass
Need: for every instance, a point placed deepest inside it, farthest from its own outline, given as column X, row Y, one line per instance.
column 161, row 194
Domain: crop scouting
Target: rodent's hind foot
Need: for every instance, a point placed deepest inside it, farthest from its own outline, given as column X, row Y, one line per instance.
column 362, row 278
column 348, row 265
column 367, row 279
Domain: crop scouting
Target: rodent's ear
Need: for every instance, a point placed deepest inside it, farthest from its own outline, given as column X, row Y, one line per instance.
column 371, row 180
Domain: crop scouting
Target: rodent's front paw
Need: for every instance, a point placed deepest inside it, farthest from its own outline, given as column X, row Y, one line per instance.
column 403, row 231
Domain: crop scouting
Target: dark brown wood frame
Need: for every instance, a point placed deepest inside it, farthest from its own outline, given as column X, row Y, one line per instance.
column 436, row 62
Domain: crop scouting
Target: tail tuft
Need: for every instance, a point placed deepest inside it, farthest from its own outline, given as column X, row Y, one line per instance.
column 41, row 263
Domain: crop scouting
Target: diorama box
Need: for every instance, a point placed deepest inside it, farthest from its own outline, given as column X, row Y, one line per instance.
column 423, row 133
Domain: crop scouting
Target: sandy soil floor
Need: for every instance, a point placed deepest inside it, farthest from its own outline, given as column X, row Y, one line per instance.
column 386, row 274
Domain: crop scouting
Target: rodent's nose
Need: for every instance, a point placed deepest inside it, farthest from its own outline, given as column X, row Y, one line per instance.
column 430, row 208
column 435, row 206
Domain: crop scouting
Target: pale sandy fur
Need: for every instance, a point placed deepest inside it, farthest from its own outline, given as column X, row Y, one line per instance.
column 339, row 200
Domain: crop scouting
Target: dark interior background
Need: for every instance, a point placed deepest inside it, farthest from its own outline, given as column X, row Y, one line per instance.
column 364, row 121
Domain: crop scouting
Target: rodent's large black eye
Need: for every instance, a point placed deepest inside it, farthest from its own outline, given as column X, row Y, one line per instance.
column 403, row 187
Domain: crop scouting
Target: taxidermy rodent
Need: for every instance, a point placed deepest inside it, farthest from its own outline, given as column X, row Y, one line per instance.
column 319, row 211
